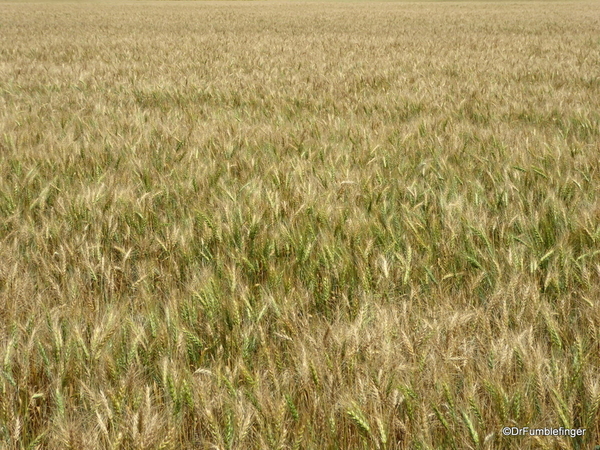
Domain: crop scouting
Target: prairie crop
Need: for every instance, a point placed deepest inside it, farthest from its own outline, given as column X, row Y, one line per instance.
column 257, row 225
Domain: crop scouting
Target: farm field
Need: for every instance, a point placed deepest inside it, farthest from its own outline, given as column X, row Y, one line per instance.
column 263, row 225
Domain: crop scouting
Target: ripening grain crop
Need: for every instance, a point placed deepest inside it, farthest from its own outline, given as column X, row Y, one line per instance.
column 257, row 225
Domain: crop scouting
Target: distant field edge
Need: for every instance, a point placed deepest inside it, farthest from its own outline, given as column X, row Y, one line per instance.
column 124, row 2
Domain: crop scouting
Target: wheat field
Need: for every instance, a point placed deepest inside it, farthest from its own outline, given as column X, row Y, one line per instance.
column 262, row 225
